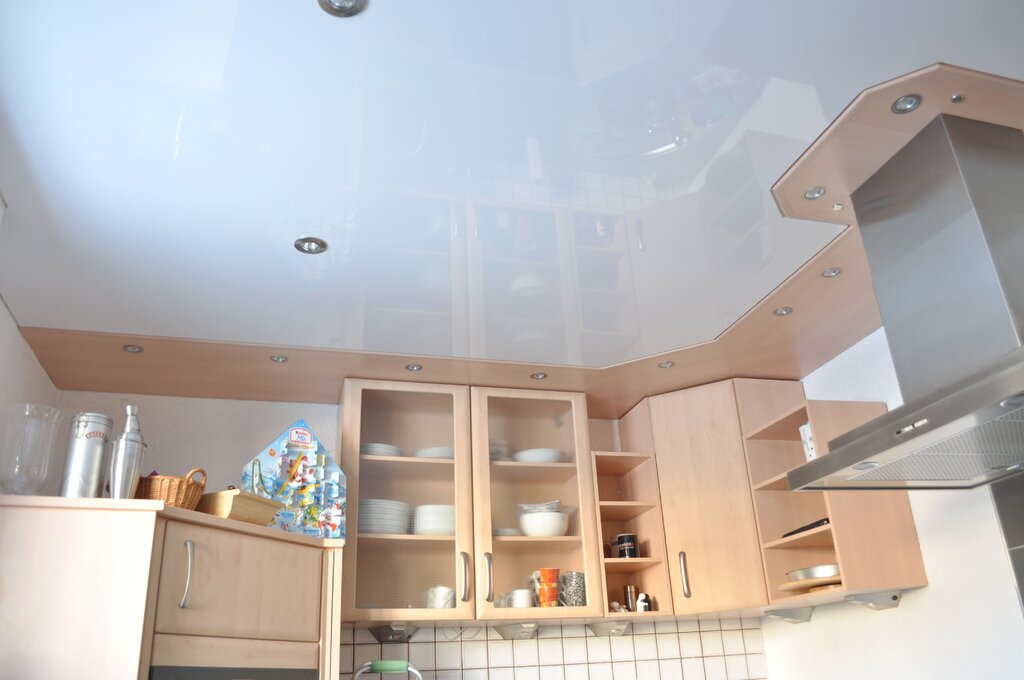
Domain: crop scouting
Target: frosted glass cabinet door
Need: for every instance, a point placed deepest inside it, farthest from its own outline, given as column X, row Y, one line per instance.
column 532, row 447
column 406, row 453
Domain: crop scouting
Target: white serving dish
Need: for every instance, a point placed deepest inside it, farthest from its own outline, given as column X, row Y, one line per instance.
column 438, row 452
column 544, row 523
column 540, row 456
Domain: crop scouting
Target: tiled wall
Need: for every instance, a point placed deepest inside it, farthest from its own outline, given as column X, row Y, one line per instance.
column 730, row 649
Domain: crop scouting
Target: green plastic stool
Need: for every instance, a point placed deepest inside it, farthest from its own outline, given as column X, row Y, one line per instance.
column 387, row 666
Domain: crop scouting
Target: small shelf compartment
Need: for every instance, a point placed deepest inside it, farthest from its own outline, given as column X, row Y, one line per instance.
column 818, row 537
column 618, row 511
column 630, row 565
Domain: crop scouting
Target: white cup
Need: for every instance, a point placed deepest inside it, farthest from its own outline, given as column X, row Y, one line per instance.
column 521, row 597
column 440, row 597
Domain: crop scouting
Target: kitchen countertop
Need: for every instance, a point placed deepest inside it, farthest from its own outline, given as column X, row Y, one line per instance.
column 168, row 512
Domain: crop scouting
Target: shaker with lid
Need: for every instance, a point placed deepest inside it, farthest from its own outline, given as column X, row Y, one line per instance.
column 126, row 457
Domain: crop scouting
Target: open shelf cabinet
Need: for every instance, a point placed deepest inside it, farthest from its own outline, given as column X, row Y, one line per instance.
column 629, row 502
column 870, row 534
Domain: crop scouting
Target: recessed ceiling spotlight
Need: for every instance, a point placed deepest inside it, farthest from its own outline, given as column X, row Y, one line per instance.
column 957, row 98
column 832, row 272
column 814, row 193
column 539, row 375
column 836, row 207
column 310, row 245
column 906, row 103
column 278, row 358
column 415, row 368
column 666, row 364
column 783, row 311
column 343, row 8
column 132, row 349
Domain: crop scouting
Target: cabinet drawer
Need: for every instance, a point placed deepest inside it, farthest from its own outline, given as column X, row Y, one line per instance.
column 241, row 586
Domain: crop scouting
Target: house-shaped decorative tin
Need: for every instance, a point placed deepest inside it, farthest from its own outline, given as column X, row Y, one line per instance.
column 297, row 470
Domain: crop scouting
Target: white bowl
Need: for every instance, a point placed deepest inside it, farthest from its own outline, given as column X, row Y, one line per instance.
column 544, row 523
column 540, row 456
column 528, row 284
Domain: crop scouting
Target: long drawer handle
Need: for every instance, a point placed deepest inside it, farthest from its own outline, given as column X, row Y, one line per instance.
column 465, row 577
column 191, row 548
column 489, row 562
column 684, row 576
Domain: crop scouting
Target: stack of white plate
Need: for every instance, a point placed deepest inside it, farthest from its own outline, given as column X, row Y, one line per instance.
column 375, row 449
column 446, row 452
column 434, row 520
column 379, row 516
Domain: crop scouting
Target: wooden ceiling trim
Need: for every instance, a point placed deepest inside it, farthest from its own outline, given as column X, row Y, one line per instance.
column 829, row 316
column 867, row 134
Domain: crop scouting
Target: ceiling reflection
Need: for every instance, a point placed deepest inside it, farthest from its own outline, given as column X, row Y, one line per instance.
column 572, row 182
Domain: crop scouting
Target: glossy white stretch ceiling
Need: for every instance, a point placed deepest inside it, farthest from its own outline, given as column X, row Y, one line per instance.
column 481, row 171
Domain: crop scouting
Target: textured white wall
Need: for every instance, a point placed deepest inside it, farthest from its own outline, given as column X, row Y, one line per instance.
column 23, row 381
column 966, row 624
column 219, row 435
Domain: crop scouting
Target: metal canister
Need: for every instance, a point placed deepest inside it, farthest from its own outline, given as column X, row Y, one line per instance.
column 83, row 466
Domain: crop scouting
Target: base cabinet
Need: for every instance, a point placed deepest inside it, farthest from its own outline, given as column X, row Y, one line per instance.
column 139, row 602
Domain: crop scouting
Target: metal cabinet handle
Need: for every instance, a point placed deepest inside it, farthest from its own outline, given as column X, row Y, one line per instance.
column 684, row 577
column 489, row 562
column 191, row 548
column 465, row 577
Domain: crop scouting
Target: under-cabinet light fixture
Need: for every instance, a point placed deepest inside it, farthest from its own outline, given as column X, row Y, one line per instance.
column 343, row 8
column 132, row 349
column 957, row 98
column 907, row 103
column 814, row 193
column 783, row 311
column 832, row 272
column 310, row 245
column 415, row 368
column 666, row 364
column 836, row 207
column 278, row 358
column 539, row 375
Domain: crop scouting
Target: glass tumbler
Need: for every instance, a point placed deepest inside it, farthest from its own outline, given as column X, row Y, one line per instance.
column 28, row 447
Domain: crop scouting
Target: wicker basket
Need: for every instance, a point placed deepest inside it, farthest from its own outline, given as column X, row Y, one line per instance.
column 181, row 492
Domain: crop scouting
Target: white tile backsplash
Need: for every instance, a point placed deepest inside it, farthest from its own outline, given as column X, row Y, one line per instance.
column 730, row 649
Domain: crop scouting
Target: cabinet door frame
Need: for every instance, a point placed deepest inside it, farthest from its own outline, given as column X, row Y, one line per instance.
column 586, row 513
column 351, row 408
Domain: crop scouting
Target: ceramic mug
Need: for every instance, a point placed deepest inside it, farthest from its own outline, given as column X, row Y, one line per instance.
column 440, row 597
column 573, row 592
column 519, row 598
column 547, row 594
column 544, row 575
column 626, row 545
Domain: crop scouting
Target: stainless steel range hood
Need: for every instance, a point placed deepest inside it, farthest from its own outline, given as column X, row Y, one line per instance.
column 943, row 229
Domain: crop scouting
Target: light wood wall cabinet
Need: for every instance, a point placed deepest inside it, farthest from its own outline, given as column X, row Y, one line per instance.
column 509, row 421
column 869, row 534
column 120, row 587
column 710, row 533
column 406, row 446
column 629, row 502
column 390, row 569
